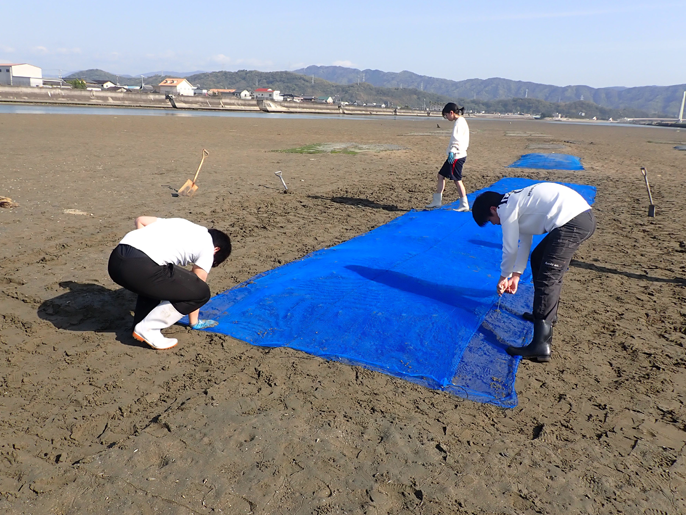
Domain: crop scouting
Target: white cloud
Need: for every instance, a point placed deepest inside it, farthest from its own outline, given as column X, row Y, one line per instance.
column 346, row 64
column 225, row 60
column 58, row 51
column 571, row 14
column 255, row 62
column 6, row 49
column 221, row 59
column 68, row 51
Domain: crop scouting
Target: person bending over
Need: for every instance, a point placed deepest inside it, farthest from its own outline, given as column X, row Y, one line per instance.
column 457, row 155
column 542, row 208
column 148, row 261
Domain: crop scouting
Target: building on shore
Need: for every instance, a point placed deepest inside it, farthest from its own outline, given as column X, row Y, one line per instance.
column 268, row 94
column 21, row 75
column 221, row 92
column 176, row 87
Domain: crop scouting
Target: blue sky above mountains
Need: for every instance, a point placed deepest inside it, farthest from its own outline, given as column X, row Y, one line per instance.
column 599, row 44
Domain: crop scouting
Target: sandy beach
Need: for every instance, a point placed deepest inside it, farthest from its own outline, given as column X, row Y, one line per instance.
column 93, row 422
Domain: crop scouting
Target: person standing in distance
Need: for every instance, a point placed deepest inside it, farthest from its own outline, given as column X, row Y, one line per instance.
column 457, row 155
column 148, row 262
column 542, row 208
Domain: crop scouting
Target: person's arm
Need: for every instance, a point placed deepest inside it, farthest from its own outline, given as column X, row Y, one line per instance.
column 509, row 224
column 193, row 317
column 142, row 221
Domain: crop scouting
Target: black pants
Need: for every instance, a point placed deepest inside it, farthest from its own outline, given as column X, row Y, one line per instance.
column 550, row 260
column 135, row 271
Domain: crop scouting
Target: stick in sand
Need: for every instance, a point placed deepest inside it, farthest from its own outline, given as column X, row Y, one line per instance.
column 285, row 188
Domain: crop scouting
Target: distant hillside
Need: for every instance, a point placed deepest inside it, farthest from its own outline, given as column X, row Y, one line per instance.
column 365, row 93
column 656, row 100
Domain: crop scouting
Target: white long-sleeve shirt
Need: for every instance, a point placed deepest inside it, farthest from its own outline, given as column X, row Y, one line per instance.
column 459, row 140
column 174, row 241
column 533, row 210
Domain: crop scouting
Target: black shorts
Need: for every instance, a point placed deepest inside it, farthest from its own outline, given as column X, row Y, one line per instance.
column 452, row 171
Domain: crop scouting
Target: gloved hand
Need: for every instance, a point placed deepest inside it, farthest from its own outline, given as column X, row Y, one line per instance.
column 451, row 157
column 204, row 324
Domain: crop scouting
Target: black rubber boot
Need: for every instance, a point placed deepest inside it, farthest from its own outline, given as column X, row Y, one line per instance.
column 539, row 348
column 529, row 317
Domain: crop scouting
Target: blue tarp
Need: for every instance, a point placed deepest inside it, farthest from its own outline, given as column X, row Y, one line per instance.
column 548, row 162
column 414, row 298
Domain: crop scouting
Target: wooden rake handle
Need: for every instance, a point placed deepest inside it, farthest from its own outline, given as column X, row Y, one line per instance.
column 204, row 153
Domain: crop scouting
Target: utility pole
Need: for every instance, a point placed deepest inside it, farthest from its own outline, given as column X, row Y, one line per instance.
column 526, row 93
column 681, row 113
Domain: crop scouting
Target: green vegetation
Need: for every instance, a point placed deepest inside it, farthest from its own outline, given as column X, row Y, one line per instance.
column 651, row 99
column 77, row 83
column 314, row 148
column 340, row 148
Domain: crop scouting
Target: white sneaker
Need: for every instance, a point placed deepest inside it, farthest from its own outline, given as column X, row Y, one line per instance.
column 149, row 329
column 436, row 202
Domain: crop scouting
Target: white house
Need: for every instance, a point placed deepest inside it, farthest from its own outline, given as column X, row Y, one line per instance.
column 21, row 75
column 245, row 95
column 104, row 84
column 176, row 87
column 268, row 94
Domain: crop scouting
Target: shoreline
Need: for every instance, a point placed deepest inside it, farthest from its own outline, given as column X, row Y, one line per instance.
column 10, row 95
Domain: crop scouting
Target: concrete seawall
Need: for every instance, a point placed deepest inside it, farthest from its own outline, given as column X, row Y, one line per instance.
column 134, row 99
column 58, row 96
column 333, row 109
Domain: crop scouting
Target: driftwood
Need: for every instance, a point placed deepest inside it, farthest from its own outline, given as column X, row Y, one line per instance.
column 7, row 202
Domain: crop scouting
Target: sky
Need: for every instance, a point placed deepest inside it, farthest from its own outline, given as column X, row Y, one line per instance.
column 594, row 43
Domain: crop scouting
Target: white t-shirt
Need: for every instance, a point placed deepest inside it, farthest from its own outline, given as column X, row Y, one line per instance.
column 533, row 210
column 459, row 141
column 174, row 241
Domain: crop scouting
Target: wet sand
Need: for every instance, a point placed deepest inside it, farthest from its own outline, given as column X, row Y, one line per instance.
column 93, row 422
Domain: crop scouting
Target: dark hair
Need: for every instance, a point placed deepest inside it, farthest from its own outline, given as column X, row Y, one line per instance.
column 221, row 240
column 481, row 208
column 452, row 106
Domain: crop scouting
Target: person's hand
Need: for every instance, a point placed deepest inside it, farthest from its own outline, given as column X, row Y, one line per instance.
column 451, row 157
column 513, row 283
column 204, row 324
column 503, row 285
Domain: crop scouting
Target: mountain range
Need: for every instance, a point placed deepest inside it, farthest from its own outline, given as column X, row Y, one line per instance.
column 656, row 100
column 407, row 89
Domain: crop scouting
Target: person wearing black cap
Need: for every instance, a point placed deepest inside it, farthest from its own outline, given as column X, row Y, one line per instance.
column 545, row 207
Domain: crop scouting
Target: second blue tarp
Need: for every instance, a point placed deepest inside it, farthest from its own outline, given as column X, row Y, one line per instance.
column 548, row 162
